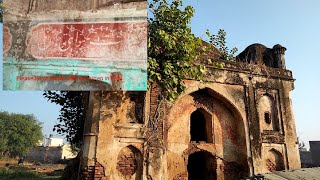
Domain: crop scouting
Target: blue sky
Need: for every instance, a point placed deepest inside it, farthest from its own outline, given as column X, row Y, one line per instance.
column 292, row 23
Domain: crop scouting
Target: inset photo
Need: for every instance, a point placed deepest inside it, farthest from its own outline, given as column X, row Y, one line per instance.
column 75, row 45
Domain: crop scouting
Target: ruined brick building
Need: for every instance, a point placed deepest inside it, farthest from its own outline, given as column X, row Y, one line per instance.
column 237, row 123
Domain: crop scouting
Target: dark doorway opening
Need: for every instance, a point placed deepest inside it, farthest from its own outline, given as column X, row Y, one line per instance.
column 198, row 127
column 202, row 166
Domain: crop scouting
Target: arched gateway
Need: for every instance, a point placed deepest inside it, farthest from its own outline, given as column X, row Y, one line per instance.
column 206, row 137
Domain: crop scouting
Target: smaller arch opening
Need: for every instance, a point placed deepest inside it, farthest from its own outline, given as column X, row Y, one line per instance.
column 201, row 126
column 267, row 117
column 274, row 161
column 136, row 107
column 202, row 165
column 130, row 162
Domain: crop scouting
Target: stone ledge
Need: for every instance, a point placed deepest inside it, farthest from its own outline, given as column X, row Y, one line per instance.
column 252, row 69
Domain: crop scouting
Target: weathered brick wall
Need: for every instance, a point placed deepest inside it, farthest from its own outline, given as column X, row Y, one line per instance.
column 95, row 172
column 99, row 172
column 154, row 98
column 127, row 163
column 157, row 113
column 271, row 166
column 87, row 173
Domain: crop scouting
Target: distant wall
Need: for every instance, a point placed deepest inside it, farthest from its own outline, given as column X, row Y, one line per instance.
column 45, row 154
column 315, row 152
column 49, row 154
column 306, row 159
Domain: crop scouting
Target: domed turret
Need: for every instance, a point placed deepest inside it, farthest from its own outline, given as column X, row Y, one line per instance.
column 279, row 51
column 260, row 54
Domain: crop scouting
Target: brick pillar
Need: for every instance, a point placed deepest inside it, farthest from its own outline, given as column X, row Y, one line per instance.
column 99, row 172
column 88, row 160
column 154, row 98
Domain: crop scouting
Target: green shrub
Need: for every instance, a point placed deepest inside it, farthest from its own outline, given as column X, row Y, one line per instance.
column 18, row 174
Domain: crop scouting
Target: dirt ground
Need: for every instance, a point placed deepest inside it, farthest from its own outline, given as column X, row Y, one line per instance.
column 45, row 169
column 9, row 169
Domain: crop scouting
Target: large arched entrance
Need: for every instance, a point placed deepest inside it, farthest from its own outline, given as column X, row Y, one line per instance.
column 206, row 137
column 202, row 166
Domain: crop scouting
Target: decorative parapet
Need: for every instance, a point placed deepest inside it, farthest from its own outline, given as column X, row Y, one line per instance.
column 252, row 69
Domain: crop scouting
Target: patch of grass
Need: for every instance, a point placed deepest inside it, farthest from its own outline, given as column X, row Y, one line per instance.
column 18, row 174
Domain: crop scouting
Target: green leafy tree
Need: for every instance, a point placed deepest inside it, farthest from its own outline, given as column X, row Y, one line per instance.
column 173, row 49
column 219, row 41
column 72, row 114
column 19, row 133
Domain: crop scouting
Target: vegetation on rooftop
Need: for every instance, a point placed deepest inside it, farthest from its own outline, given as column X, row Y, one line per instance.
column 173, row 48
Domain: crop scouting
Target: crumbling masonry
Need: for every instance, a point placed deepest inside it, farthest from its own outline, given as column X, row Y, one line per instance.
column 237, row 123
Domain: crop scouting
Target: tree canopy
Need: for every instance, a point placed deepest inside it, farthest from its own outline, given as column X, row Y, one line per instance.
column 72, row 114
column 19, row 133
column 173, row 48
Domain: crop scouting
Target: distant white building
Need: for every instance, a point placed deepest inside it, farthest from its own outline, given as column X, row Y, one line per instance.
column 51, row 150
column 51, row 141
